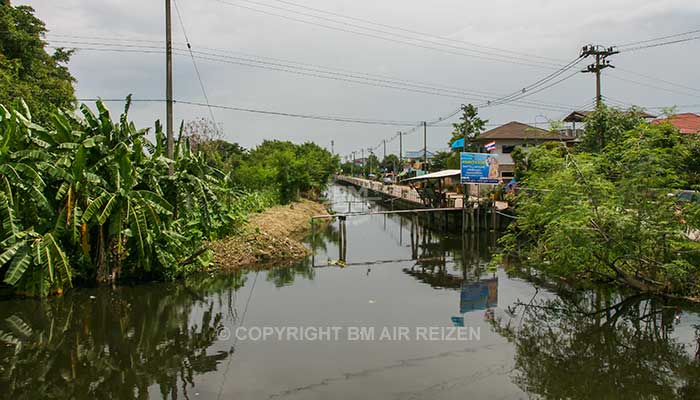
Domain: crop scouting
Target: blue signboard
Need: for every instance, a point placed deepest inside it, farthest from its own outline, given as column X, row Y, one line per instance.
column 480, row 295
column 480, row 168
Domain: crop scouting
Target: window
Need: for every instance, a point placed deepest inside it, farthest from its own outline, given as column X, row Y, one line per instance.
column 507, row 174
column 508, row 148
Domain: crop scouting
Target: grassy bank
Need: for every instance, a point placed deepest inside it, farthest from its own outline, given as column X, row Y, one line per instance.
column 270, row 238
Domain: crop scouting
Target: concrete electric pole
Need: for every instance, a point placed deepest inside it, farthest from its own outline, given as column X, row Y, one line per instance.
column 425, row 146
column 169, row 84
column 601, row 54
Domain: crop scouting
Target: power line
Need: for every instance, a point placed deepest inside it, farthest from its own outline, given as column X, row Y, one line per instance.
column 507, row 59
column 417, row 32
column 471, row 92
column 655, row 79
column 655, row 87
column 659, row 38
column 196, row 69
column 528, row 90
column 332, row 75
column 648, row 46
column 268, row 112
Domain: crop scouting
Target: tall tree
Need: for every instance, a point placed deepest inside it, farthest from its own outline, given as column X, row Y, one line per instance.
column 469, row 127
column 27, row 71
column 607, row 125
column 391, row 163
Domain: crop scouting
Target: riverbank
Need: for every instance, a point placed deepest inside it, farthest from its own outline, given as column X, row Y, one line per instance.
column 271, row 238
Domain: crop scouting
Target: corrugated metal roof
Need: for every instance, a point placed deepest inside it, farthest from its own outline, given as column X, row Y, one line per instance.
column 436, row 175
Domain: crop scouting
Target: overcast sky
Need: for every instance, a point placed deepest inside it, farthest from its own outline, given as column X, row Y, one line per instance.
column 553, row 29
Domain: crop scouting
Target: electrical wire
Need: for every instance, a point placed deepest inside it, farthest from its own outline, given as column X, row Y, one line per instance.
column 654, row 86
column 268, row 112
column 528, row 90
column 656, row 79
column 363, row 75
column 659, row 38
column 196, row 69
column 419, row 33
column 648, row 46
column 332, row 75
column 376, row 36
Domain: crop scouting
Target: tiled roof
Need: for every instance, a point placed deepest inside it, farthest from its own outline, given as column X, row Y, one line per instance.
column 686, row 123
column 517, row 130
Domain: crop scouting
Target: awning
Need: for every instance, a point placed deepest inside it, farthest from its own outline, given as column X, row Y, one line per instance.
column 436, row 175
column 458, row 144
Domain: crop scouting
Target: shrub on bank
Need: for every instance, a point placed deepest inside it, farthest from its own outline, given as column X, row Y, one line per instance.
column 612, row 216
column 91, row 200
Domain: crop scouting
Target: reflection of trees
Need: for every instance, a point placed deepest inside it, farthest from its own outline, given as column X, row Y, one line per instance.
column 326, row 231
column 589, row 348
column 285, row 276
column 114, row 345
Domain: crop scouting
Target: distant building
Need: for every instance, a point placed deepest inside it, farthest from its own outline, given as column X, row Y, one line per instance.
column 414, row 159
column 687, row 123
column 516, row 134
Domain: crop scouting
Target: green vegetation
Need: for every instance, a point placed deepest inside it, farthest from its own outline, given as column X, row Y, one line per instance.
column 90, row 200
column 26, row 70
column 469, row 128
column 619, row 348
column 291, row 170
column 612, row 216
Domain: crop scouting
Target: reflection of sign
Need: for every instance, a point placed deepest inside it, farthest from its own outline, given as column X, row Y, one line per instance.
column 479, row 168
column 479, row 295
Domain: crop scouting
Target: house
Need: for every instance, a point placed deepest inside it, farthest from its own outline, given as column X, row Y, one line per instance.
column 414, row 159
column 688, row 123
column 516, row 134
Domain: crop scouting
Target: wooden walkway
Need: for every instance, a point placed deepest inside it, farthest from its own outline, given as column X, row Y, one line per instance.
column 402, row 192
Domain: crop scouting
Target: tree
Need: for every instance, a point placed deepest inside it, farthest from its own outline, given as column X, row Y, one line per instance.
column 612, row 217
column 290, row 169
column 469, row 128
column 607, row 125
column 371, row 164
column 200, row 132
column 27, row 71
column 444, row 160
column 391, row 163
column 596, row 345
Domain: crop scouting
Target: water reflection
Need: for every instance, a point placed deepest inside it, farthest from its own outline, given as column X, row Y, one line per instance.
column 286, row 276
column 161, row 340
column 599, row 346
column 114, row 343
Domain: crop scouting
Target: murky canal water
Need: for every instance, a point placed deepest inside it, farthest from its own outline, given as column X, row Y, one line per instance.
column 519, row 341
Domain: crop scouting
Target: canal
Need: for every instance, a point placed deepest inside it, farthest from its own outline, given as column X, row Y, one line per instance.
column 413, row 313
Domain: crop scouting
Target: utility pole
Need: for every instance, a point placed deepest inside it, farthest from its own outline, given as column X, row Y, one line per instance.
column 425, row 146
column 601, row 54
column 363, row 162
column 400, row 146
column 332, row 144
column 384, row 142
column 352, row 166
column 169, row 84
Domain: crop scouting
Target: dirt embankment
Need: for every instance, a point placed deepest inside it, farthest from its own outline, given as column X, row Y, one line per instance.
column 271, row 238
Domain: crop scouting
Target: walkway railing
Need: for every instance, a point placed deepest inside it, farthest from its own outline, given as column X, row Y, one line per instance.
column 402, row 192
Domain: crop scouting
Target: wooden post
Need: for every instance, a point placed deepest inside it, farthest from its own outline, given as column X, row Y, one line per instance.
column 493, row 215
column 313, row 241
